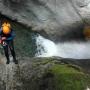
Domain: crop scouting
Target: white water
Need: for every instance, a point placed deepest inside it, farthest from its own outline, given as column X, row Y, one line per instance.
column 88, row 88
column 47, row 48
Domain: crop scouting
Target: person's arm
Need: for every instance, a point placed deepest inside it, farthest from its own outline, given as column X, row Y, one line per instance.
column 12, row 36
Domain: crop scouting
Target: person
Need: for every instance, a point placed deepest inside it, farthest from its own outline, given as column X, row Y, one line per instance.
column 6, row 40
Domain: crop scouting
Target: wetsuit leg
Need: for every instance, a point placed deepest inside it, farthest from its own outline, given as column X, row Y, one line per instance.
column 11, row 46
column 6, row 53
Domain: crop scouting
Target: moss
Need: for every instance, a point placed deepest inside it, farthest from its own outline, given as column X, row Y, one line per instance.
column 24, row 41
column 42, row 62
column 62, row 77
column 38, row 75
column 68, row 78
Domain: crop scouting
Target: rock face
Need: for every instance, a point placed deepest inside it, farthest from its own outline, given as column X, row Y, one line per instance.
column 57, row 18
column 22, row 75
column 43, row 74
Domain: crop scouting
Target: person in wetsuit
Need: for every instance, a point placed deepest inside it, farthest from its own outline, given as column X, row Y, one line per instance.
column 6, row 39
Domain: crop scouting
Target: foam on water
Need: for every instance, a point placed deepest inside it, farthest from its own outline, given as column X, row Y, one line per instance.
column 47, row 48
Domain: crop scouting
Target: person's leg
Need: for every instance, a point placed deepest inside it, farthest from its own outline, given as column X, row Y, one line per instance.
column 6, row 53
column 11, row 46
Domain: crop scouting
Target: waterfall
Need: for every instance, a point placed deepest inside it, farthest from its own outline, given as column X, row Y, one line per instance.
column 88, row 88
column 45, row 47
column 77, row 50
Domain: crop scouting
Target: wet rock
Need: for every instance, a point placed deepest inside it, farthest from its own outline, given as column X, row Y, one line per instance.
column 35, row 73
column 55, row 17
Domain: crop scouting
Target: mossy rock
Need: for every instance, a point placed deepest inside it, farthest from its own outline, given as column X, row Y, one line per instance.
column 57, row 76
column 68, row 78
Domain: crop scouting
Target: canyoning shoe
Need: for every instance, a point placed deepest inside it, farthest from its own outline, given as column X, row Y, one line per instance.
column 16, row 62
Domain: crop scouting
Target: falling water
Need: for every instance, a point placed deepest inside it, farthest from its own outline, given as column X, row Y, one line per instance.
column 88, row 88
column 77, row 50
column 45, row 47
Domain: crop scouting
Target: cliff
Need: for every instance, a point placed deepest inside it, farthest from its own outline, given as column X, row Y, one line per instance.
column 54, row 18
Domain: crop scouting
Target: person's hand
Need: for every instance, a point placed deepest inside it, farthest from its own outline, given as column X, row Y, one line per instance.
column 3, row 38
column 4, row 43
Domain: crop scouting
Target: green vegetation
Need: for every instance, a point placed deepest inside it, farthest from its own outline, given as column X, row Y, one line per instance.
column 24, row 41
column 68, row 78
column 56, row 75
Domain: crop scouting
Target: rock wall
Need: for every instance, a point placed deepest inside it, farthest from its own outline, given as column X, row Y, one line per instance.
column 37, row 74
column 54, row 17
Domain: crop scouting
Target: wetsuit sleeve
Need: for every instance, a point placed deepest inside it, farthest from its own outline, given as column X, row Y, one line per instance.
column 11, row 36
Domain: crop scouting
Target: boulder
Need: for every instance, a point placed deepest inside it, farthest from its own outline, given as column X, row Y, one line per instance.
column 44, row 74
